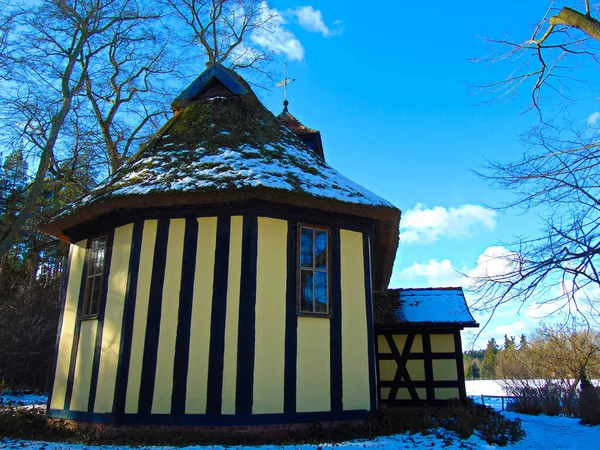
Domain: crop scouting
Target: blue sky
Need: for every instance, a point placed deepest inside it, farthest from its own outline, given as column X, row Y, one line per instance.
column 391, row 88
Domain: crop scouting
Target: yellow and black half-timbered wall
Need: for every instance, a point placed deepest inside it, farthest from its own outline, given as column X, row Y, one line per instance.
column 419, row 351
column 232, row 316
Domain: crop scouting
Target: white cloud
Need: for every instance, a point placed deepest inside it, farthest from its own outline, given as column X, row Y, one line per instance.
column 496, row 262
column 592, row 119
column 423, row 225
column 564, row 300
column 276, row 38
column 312, row 20
column 432, row 273
column 513, row 329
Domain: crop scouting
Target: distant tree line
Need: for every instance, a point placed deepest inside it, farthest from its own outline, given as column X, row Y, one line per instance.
column 551, row 352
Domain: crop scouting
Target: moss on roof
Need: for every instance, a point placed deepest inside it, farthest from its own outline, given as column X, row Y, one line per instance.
column 227, row 142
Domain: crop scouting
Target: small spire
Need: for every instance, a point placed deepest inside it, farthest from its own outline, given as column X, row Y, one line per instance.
column 284, row 83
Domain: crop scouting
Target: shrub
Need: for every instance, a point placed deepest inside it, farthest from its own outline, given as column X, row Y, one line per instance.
column 546, row 398
column 490, row 425
column 589, row 404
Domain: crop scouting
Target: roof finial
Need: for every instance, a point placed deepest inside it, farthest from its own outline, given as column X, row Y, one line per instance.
column 284, row 83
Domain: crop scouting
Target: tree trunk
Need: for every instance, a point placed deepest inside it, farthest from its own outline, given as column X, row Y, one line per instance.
column 35, row 189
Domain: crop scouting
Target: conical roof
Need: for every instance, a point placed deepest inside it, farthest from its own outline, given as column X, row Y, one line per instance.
column 222, row 145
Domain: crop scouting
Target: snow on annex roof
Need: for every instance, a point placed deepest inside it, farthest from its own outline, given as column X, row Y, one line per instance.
column 426, row 306
column 219, row 140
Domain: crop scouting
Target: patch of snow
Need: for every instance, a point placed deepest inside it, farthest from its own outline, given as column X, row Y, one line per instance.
column 439, row 440
column 542, row 433
column 434, row 305
column 23, row 399
column 484, row 387
column 277, row 166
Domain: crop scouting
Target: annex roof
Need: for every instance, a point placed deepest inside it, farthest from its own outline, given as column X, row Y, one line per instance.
column 427, row 306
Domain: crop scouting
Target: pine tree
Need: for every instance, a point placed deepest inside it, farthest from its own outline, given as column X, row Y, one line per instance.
column 13, row 183
column 509, row 343
column 488, row 368
column 523, row 345
column 476, row 371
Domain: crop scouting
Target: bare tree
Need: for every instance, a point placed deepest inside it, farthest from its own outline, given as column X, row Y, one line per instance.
column 57, row 40
column 126, row 86
column 559, row 44
column 7, row 20
column 557, row 179
column 224, row 30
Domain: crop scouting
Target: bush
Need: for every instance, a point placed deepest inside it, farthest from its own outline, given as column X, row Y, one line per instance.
column 548, row 398
column 589, row 404
column 490, row 425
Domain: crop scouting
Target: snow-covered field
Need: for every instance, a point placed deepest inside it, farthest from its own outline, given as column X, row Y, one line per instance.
column 543, row 433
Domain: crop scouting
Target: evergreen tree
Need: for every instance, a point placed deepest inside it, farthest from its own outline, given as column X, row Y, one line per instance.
column 476, row 371
column 473, row 373
column 523, row 345
column 488, row 368
column 509, row 343
column 13, row 183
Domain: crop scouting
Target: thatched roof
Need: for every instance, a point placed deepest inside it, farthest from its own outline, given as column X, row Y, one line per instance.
column 222, row 145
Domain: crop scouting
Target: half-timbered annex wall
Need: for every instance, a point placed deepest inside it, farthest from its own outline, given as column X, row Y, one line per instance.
column 418, row 366
column 199, row 324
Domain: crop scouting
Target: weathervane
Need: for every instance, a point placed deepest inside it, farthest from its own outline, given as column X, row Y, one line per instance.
column 284, row 83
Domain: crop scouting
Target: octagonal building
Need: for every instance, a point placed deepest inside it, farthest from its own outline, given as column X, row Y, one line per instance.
column 225, row 276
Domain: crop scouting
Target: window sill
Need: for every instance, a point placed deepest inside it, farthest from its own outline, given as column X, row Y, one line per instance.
column 94, row 317
column 315, row 315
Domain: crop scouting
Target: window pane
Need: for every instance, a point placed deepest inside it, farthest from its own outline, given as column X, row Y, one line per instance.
column 321, row 249
column 96, row 295
column 321, row 292
column 306, row 291
column 88, row 296
column 306, row 247
column 101, row 249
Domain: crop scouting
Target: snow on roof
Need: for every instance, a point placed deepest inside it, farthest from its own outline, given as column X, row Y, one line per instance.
column 442, row 306
column 227, row 143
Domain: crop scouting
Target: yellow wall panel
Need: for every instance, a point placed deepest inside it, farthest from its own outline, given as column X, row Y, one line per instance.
column 421, row 393
column 444, row 370
column 416, row 369
column 232, row 316
column 65, row 344
column 403, row 394
column 387, row 369
column 269, row 344
column 197, row 378
column 400, row 341
column 442, row 343
column 140, row 317
column 385, row 393
column 417, row 346
column 83, row 366
column 355, row 347
column 313, row 365
column 446, row 393
column 163, row 380
column 382, row 345
column 113, row 319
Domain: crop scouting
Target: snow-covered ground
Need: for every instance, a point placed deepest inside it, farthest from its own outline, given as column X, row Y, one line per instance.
column 543, row 433
column 24, row 399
